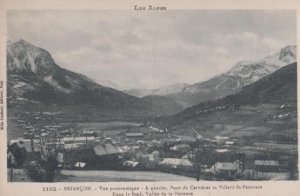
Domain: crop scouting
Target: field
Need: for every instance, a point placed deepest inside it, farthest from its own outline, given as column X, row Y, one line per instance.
column 240, row 122
column 24, row 117
column 290, row 148
column 18, row 176
column 109, row 176
column 110, row 129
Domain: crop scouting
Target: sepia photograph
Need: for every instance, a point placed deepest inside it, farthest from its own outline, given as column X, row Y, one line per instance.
column 151, row 94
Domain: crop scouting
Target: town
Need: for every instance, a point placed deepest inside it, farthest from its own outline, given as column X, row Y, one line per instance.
column 124, row 146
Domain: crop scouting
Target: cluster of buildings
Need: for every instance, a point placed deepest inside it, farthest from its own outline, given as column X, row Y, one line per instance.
column 157, row 150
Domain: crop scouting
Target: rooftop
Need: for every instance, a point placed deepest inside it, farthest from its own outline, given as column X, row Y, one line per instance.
column 226, row 166
column 78, row 138
column 134, row 134
column 176, row 162
column 266, row 162
column 106, row 149
column 130, row 163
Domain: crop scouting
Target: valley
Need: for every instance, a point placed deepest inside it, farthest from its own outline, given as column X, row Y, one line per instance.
column 244, row 119
column 222, row 85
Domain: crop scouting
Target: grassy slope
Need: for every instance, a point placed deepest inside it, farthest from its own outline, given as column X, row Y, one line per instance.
column 267, row 94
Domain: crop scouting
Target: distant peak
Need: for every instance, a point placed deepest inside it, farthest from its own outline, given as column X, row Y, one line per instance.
column 289, row 50
column 290, row 46
column 242, row 63
column 23, row 42
column 30, row 58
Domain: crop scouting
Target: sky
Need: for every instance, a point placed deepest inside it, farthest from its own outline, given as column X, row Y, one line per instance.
column 144, row 49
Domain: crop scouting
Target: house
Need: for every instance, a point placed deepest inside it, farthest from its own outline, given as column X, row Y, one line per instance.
column 222, row 150
column 168, row 141
column 149, row 161
column 108, row 140
column 135, row 135
column 30, row 145
column 56, row 144
column 70, row 140
column 221, row 137
column 218, row 142
column 156, row 130
column 106, row 150
column 266, row 165
column 80, row 165
column 125, row 148
column 154, row 156
column 131, row 164
column 135, row 147
column 107, row 156
column 11, row 142
column 181, row 148
column 188, row 155
column 226, row 170
column 28, row 135
column 178, row 165
column 65, row 132
column 186, row 139
column 142, row 157
column 89, row 133
column 155, row 142
column 71, row 146
column 111, row 149
column 229, row 142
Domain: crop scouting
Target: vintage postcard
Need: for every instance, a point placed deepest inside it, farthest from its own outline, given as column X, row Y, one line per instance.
column 149, row 98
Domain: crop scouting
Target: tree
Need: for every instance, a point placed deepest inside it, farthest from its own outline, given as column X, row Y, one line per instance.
column 19, row 153
column 201, row 156
column 50, row 166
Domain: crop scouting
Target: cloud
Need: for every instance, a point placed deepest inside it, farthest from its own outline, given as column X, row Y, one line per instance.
column 149, row 50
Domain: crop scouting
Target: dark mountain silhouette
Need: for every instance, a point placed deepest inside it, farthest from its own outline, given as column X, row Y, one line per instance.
column 277, row 88
column 34, row 76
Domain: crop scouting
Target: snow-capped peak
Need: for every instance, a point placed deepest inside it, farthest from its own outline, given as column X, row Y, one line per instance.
column 288, row 54
column 252, row 71
column 23, row 56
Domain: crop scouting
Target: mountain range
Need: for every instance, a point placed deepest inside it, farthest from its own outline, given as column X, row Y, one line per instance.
column 230, row 82
column 245, row 101
column 34, row 76
column 256, row 105
column 162, row 91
